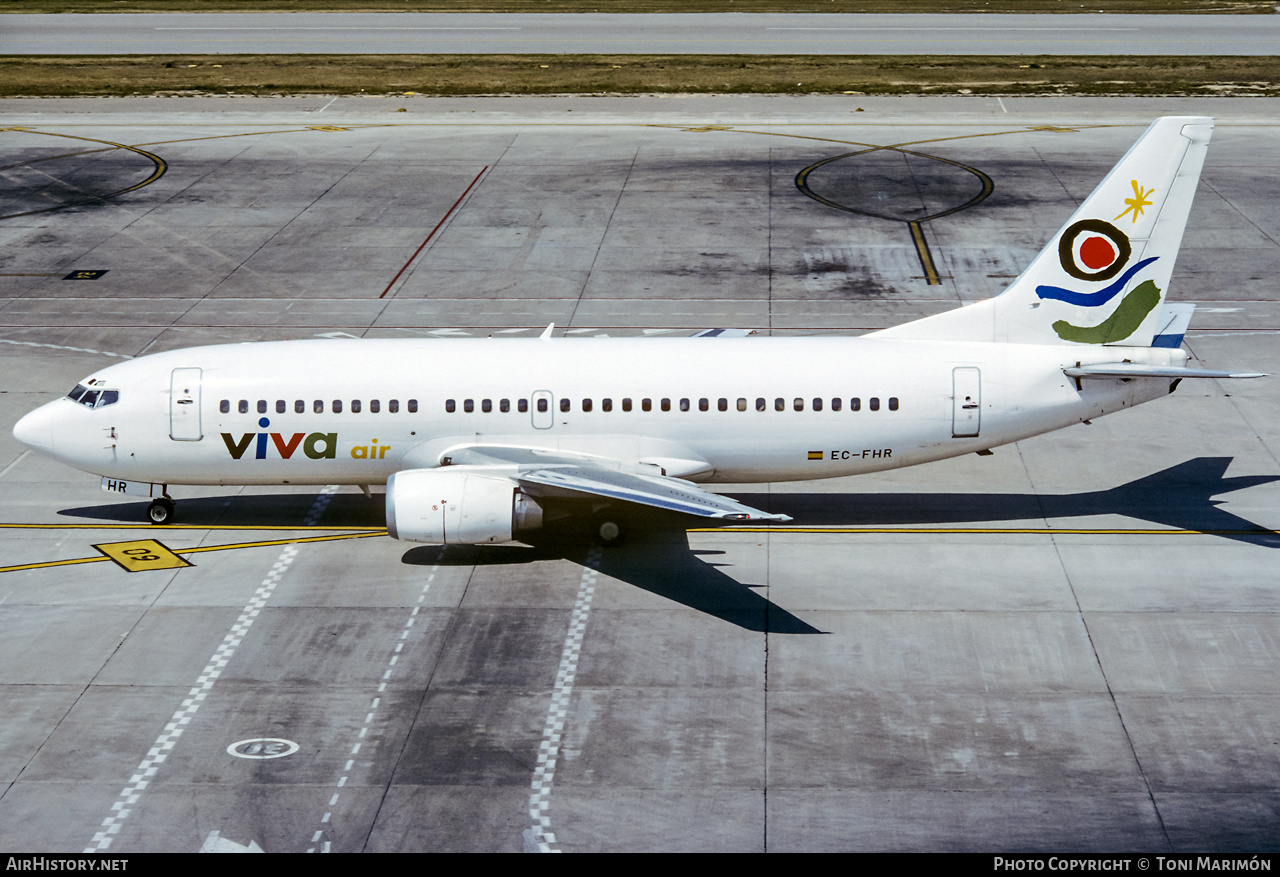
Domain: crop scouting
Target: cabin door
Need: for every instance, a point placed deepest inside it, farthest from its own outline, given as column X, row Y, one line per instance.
column 184, row 405
column 966, row 407
column 542, row 409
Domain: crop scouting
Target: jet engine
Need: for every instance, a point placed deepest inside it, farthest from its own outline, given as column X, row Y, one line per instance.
column 458, row 505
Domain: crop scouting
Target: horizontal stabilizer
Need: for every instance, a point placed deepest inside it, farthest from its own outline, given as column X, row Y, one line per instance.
column 1141, row 370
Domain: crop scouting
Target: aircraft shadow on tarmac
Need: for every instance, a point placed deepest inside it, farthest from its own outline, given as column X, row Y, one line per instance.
column 657, row 556
column 1180, row 497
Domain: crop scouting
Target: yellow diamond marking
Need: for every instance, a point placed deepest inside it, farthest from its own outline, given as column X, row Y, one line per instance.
column 142, row 554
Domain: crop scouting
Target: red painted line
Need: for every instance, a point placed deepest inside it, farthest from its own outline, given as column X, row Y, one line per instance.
column 433, row 232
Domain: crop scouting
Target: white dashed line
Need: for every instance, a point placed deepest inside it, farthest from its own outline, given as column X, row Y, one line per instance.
column 168, row 738
column 64, row 347
column 540, row 838
column 320, row 844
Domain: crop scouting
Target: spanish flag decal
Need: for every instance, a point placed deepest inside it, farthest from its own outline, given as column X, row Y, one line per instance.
column 815, row 455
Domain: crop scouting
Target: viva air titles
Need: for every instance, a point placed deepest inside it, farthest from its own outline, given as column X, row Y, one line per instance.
column 315, row 445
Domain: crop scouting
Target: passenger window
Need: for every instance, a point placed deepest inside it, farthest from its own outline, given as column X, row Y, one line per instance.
column 412, row 406
column 835, row 404
column 606, row 404
column 874, row 404
column 486, row 405
column 523, row 406
column 542, row 406
column 798, row 404
column 244, row 406
column 337, row 406
column 564, row 404
column 626, row 404
column 855, row 404
column 281, row 406
column 893, row 403
column 586, row 404
column 684, row 404
column 300, row 407
column 318, row 406
column 393, row 406
column 779, row 404
column 705, row 405
column 742, row 404
column 817, row 404
column 224, row 406
column 374, row 406
column 355, row 406
column 646, row 404
column 468, row 405
column 761, row 405
column 262, row 406
column 504, row 406
column 666, row 404
column 723, row 405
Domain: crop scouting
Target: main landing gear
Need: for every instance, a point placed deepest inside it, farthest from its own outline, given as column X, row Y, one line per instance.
column 161, row 510
column 608, row 530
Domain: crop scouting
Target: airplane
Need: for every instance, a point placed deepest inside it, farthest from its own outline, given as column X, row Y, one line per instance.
column 487, row 440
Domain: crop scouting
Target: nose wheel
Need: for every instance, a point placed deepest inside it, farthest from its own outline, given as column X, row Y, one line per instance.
column 160, row 511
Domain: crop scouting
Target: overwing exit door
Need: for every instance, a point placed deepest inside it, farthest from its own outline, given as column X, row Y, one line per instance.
column 543, row 415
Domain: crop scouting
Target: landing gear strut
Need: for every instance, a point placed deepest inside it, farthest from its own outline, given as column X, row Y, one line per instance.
column 161, row 510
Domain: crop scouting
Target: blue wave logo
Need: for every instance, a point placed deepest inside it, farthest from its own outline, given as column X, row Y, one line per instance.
column 1093, row 299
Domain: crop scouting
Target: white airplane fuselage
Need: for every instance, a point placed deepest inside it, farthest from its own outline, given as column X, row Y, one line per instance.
column 814, row 407
column 485, row 440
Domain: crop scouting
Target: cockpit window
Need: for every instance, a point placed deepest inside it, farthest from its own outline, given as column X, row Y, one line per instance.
column 93, row 398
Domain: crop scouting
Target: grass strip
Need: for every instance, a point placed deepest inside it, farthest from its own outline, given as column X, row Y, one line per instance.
column 127, row 75
column 636, row 6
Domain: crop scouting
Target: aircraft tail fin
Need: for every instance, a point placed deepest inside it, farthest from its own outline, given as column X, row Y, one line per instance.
column 1102, row 278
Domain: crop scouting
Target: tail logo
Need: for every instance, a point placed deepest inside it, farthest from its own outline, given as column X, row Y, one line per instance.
column 1095, row 250
column 1137, row 202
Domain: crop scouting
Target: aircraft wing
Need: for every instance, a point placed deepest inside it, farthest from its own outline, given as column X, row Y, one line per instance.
column 657, row 491
column 542, row 473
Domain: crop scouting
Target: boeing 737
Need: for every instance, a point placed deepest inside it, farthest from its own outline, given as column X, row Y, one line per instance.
column 476, row 439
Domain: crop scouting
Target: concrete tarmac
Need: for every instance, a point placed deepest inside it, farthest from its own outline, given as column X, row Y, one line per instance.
column 1070, row 645
column 673, row 33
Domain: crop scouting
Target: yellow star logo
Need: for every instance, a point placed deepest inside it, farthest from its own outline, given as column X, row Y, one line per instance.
column 1137, row 202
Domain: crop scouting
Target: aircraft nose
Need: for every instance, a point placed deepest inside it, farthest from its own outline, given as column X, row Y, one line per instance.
column 36, row 429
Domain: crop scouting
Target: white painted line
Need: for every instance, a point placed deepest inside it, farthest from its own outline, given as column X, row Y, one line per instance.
column 363, row 733
column 168, row 738
column 16, row 461
column 358, row 29
column 1084, row 34
column 540, row 838
column 65, row 347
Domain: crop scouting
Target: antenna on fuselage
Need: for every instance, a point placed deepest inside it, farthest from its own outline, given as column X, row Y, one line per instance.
column 546, row 333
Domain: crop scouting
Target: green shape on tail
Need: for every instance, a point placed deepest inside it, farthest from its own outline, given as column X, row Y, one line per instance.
column 1124, row 322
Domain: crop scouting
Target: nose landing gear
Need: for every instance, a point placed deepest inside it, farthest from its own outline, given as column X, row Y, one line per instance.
column 161, row 510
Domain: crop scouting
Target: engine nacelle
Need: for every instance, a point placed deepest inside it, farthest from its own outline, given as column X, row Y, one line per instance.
column 458, row 505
